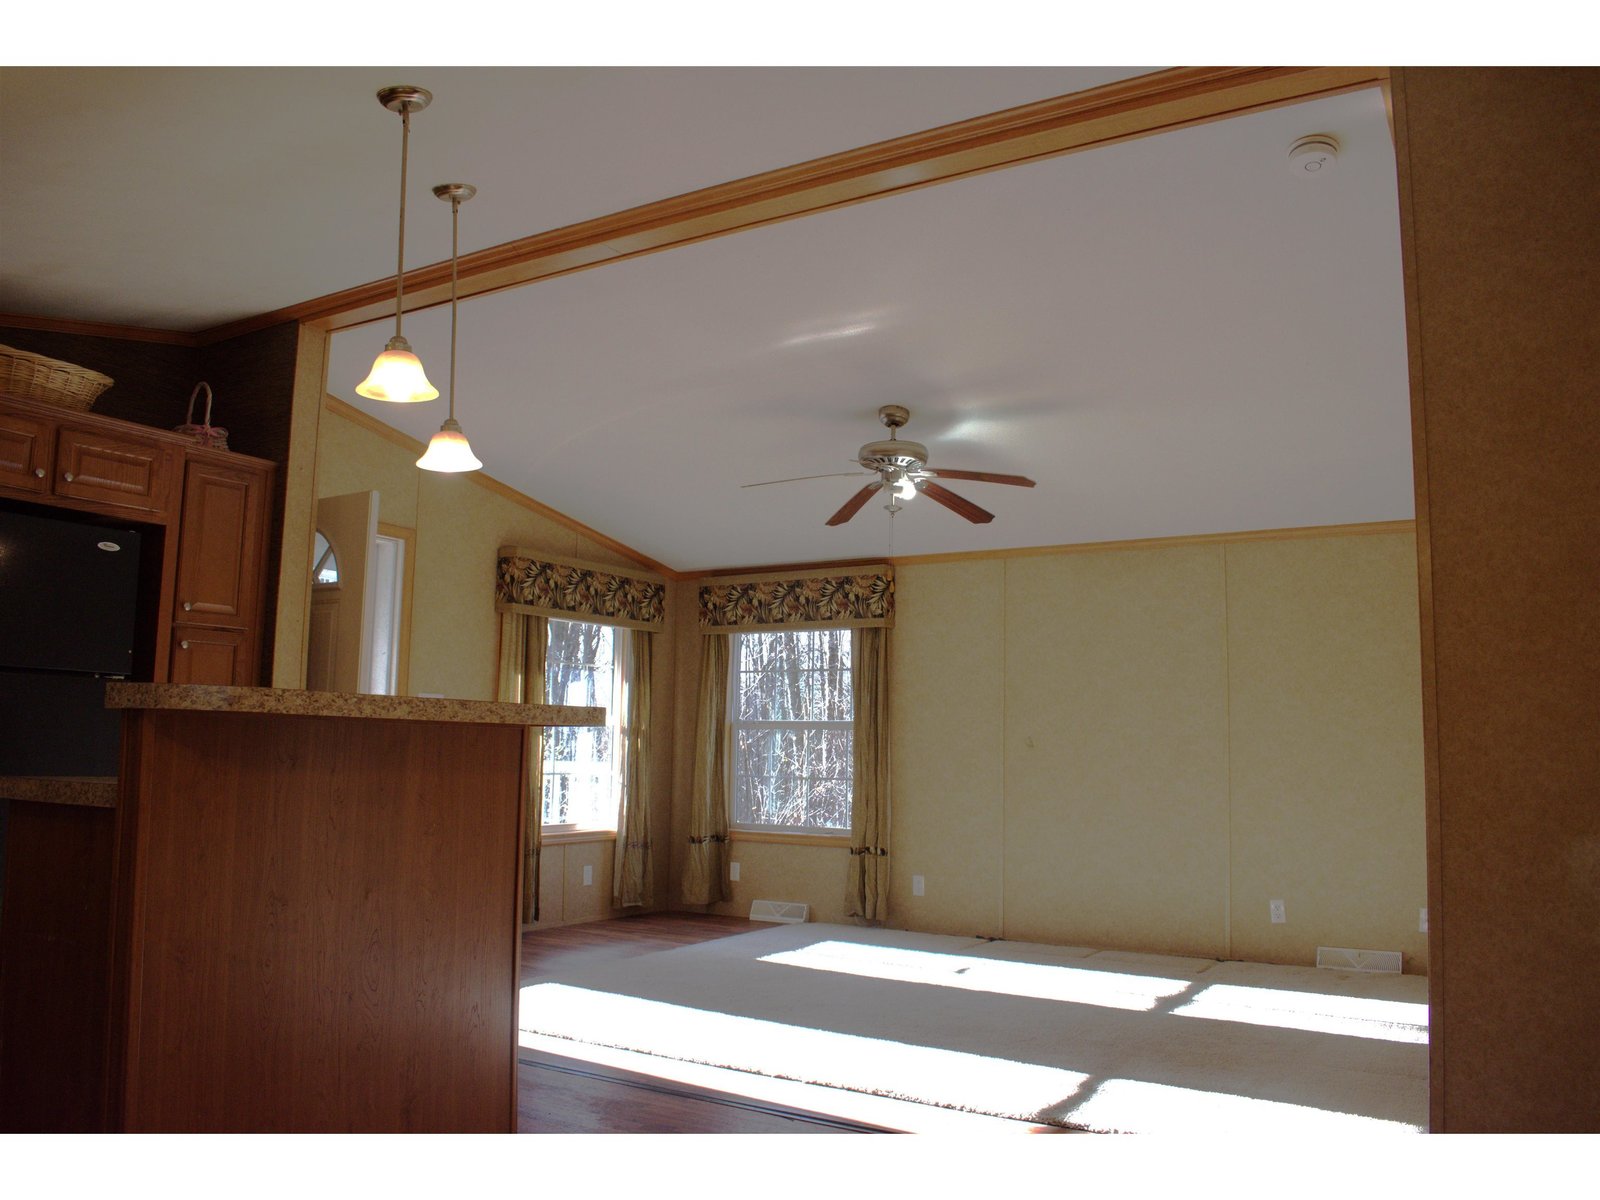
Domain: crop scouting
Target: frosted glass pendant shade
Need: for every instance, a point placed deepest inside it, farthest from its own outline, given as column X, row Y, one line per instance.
column 448, row 451
column 397, row 376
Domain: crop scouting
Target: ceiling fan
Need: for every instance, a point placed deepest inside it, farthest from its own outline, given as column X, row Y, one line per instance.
column 902, row 467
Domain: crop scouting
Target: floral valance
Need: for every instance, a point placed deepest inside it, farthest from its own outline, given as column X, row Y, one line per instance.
column 578, row 590
column 861, row 599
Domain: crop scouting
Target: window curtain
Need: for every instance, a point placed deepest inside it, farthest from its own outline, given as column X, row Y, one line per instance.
column 522, row 646
column 632, row 872
column 705, row 873
column 868, row 887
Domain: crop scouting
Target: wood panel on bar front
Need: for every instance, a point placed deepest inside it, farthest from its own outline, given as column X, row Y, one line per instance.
column 321, row 924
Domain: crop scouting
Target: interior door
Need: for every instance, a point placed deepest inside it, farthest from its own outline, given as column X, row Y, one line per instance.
column 337, row 652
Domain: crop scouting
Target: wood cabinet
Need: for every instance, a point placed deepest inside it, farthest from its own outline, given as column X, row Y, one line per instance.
column 116, row 470
column 25, row 446
column 90, row 462
column 214, row 508
column 216, row 613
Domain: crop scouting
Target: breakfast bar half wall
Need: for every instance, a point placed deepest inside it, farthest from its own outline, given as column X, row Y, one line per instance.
column 315, row 910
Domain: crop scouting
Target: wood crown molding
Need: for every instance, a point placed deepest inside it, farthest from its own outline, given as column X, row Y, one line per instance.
column 124, row 333
column 1139, row 107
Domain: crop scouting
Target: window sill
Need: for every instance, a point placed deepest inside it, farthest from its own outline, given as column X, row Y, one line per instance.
column 839, row 841
column 567, row 837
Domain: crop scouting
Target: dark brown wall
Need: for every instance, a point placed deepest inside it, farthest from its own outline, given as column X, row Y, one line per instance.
column 1500, row 187
column 251, row 377
column 153, row 380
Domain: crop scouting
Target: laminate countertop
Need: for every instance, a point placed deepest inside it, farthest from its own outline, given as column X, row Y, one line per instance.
column 84, row 791
column 289, row 702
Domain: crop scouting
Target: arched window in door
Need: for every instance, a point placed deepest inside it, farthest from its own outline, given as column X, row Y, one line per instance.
column 325, row 568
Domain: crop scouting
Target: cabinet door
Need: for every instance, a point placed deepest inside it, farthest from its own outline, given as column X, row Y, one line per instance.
column 25, row 453
column 108, row 469
column 204, row 655
column 219, row 545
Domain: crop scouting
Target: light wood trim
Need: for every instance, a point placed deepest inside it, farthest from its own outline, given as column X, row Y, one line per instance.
column 402, row 670
column 835, row 841
column 349, row 412
column 786, row 570
column 1162, row 543
column 125, row 333
column 877, row 566
column 571, row 837
column 1438, row 959
column 1131, row 108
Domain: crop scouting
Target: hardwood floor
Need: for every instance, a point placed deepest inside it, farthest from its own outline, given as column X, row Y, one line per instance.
column 557, row 1094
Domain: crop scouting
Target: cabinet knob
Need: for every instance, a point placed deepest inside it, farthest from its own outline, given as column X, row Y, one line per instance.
column 67, row 475
column 188, row 606
column 38, row 472
column 183, row 645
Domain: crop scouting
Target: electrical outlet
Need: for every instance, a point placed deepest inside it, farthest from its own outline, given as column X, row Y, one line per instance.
column 1422, row 920
column 1275, row 907
column 916, row 885
column 733, row 871
column 588, row 875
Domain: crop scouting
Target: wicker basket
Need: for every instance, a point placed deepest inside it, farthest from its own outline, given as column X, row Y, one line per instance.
column 28, row 376
column 205, row 433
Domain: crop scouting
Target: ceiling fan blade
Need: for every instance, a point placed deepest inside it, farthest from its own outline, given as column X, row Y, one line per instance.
column 953, row 502
column 854, row 505
column 982, row 477
column 798, row 478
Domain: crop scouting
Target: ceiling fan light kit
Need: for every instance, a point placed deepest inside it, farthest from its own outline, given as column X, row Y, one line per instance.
column 902, row 467
column 397, row 375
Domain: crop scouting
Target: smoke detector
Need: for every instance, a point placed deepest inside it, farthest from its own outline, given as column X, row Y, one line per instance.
column 1313, row 155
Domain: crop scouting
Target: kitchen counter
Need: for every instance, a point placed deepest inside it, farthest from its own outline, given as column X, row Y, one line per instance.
column 289, row 702
column 87, row 791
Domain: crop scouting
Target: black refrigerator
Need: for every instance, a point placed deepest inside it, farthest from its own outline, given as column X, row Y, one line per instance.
column 69, row 595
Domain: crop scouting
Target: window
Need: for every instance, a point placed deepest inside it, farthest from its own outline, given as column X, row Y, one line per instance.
column 326, row 569
column 583, row 765
column 792, row 725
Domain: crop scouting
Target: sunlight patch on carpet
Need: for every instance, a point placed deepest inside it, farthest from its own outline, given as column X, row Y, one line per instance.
column 1070, row 984
column 884, row 1068
column 1348, row 1016
column 1162, row 1108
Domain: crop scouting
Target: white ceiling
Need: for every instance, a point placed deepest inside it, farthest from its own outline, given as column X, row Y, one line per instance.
column 1172, row 335
column 186, row 198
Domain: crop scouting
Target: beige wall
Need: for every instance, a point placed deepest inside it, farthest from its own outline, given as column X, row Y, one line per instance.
column 461, row 523
column 1142, row 747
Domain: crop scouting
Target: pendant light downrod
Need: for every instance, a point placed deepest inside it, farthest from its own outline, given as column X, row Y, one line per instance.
column 397, row 375
column 449, row 451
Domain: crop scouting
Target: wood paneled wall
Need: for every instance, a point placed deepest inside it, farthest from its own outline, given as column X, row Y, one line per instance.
column 1499, row 188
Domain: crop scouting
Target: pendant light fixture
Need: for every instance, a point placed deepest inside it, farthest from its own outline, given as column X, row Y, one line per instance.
column 449, row 451
column 397, row 374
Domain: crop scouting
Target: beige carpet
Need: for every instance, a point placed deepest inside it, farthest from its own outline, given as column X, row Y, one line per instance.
column 1085, row 1039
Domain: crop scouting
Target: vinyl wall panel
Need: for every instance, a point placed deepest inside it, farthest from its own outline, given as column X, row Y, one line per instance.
column 947, row 714
column 1325, row 746
column 1116, row 769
